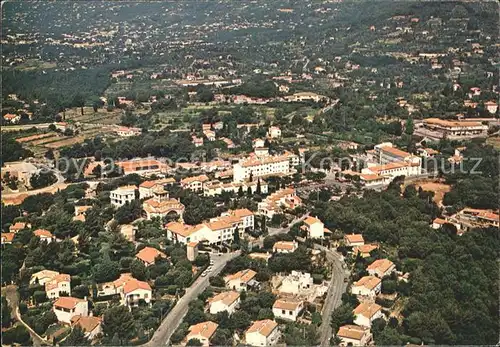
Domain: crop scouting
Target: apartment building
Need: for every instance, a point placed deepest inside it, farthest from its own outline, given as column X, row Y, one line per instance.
column 266, row 165
column 353, row 335
column 121, row 195
column 194, row 183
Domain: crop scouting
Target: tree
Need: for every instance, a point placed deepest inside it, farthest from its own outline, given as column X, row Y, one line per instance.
column 6, row 318
column 118, row 320
column 258, row 190
column 194, row 342
column 139, row 270
column 76, row 338
column 16, row 335
column 342, row 315
column 217, row 281
column 409, row 126
column 106, row 271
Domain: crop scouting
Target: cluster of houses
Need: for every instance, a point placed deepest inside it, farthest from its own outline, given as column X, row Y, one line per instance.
column 469, row 218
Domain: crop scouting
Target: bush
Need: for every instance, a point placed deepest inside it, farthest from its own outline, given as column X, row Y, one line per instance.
column 18, row 334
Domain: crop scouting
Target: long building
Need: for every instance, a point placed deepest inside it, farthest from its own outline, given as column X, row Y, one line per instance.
column 213, row 188
column 265, row 166
column 436, row 129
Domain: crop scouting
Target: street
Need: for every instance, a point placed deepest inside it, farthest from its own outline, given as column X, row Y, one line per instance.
column 275, row 231
column 174, row 318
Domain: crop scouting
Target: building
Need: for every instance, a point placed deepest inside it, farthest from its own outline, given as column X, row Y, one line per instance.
column 393, row 170
column 427, row 152
column 285, row 246
column 386, row 153
column 381, row 268
column 67, row 307
column 305, row 96
column 435, row 129
column 365, row 313
column 241, row 280
column 90, row 325
column 148, row 189
column 315, row 228
column 18, row 226
column 143, row 167
column 214, row 231
column 287, row 309
column 58, row 285
column 296, row 282
column 121, row 195
column 274, row 132
column 7, row 238
column 20, row 170
column 278, row 201
column 258, row 143
column 42, row 277
column 194, row 183
column 215, row 187
column 202, row 332
column 148, row 255
column 80, row 212
column 470, row 218
column 262, row 333
column 162, row 206
column 12, row 118
column 354, row 240
column 134, row 291
column 253, row 167
column 353, row 335
column 127, row 132
column 114, row 287
column 364, row 250
column 197, row 141
column 44, row 235
column 438, row 223
column 262, row 256
column 367, row 286
column 192, row 251
column 225, row 301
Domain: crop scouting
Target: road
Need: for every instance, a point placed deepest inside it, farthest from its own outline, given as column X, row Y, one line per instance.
column 174, row 318
column 334, row 295
column 12, row 297
column 275, row 231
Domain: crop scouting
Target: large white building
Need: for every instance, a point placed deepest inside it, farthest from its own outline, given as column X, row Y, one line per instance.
column 262, row 333
column 58, row 285
column 121, row 195
column 67, row 307
column 367, row 286
column 214, row 231
column 278, row 201
column 255, row 167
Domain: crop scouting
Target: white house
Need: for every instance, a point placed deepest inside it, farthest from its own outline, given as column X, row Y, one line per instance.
column 67, row 307
column 225, row 301
column 42, row 277
column 44, row 235
column 121, row 195
column 240, row 280
column 57, row 285
column 202, row 332
column 381, row 268
column 296, row 282
column 315, row 228
column 274, row 132
column 353, row 335
column 354, row 240
column 287, row 309
column 90, row 325
column 365, row 313
column 262, row 333
column 135, row 290
column 368, row 286
column 258, row 143
column 285, row 246
column 194, row 183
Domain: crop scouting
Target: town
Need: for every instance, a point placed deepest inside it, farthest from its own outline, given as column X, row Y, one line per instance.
column 263, row 173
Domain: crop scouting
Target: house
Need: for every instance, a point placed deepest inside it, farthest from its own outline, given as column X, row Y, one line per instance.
column 364, row 250
column 148, row 189
column 162, row 206
column 354, row 240
column 279, row 201
column 127, row 132
column 353, row 335
column 287, row 309
column 67, row 307
column 115, row 287
column 12, row 118
column 438, row 223
column 42, row 277
column 241, row 280
column 315, row 228
column 18, row 226
column 381, row 268
column 296, row 282
column 194, row 183
column 192, row 251
column 274, row 132
column 44, row 235
column 134, row 291
column 202, row 332
column 262, row 333
column 144, row 167
column 258, row 143
column 491, row 106
column 225, row 301
column 90, row 325
column 366, row 312
column 210, row 135
column 367, row 286
column 262, row 256
column 122, row 195
column 427, row 152
column 148, row 255
column 7, row 238
column 197, row 141
column 229, row 143
column 58, row 285
column 285, row 246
